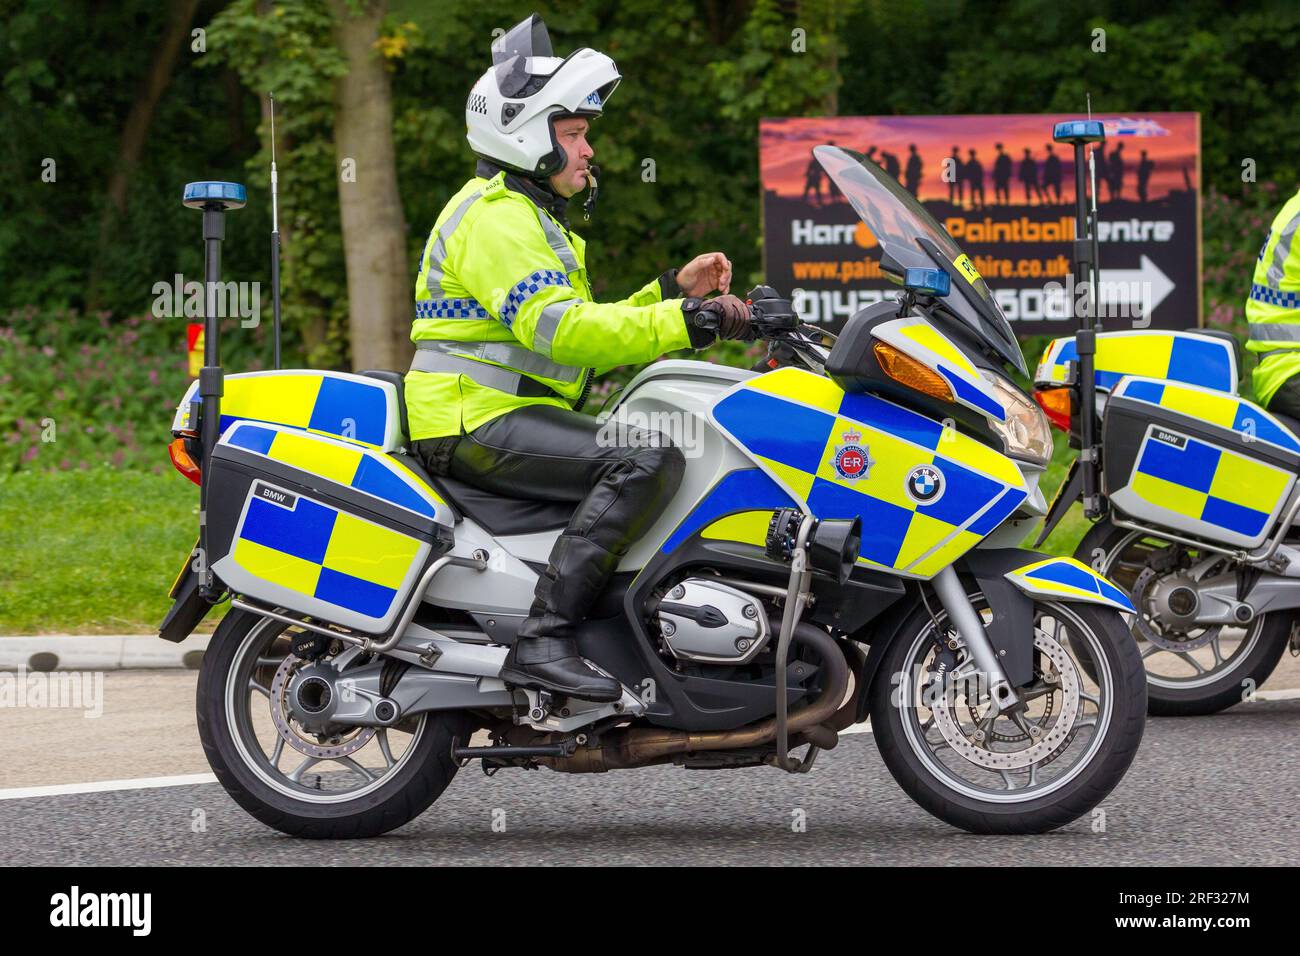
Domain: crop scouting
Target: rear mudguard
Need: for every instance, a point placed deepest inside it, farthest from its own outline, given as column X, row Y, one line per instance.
column 1009, row 579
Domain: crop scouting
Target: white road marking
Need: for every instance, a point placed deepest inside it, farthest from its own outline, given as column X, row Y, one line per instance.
column 1291, row 693
column 104, row 786
column 862, row 728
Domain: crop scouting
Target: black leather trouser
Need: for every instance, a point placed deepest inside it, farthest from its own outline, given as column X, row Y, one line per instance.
column 620, row 480
column 1286, row 400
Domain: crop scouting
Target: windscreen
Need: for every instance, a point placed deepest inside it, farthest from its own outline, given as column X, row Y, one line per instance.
column 910, row 237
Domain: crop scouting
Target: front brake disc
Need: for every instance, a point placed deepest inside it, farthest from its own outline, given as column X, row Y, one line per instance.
column 979, row 753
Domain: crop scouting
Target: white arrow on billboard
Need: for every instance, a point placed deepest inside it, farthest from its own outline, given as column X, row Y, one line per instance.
column 1145, row 287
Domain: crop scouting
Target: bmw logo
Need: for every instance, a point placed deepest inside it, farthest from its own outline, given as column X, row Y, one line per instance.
column 925, row 484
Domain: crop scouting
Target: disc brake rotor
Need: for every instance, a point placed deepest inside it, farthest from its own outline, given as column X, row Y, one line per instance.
column 344, row 747
column 1171, row 639
column 978, row 751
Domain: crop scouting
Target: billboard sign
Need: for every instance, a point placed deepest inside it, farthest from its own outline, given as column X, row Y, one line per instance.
column 1005, row 192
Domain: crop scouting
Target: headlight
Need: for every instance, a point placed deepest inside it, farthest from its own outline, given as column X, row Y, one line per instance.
column 1026, row 432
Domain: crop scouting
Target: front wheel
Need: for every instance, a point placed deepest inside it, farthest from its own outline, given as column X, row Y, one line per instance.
column 1191, row 670
column 328, row 782
column 1033, row 767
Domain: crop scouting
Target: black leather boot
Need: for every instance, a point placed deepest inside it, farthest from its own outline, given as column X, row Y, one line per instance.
column 545, row 653
column 553, row 663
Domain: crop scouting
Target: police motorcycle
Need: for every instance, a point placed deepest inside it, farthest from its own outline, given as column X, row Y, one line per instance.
column 842, row 546
column 1192, row 490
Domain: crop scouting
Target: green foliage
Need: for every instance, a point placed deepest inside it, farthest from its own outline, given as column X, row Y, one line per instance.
column 92, row 552
column 291, row 53
column 77, row 391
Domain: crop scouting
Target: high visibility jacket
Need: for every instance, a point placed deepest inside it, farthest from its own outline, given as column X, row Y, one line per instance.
column 504, row 315
column 1273, row 309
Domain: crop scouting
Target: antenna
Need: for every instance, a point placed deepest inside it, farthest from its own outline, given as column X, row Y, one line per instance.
column 275, row 247
column 1095, row 271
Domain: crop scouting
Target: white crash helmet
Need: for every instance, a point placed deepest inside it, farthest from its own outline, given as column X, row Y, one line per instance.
column 510, row 110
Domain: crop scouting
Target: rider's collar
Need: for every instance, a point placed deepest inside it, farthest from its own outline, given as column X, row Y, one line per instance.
column 540, row 192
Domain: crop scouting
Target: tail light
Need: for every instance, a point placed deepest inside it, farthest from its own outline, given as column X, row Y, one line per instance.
column 1055, row 403
column 183, row 461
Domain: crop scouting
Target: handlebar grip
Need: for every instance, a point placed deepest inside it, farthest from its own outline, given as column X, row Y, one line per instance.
column 706, row 319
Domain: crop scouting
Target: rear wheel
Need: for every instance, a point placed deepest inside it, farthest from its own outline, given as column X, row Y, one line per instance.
column 345, row 782
column 1191, row 670
column 1034, row 767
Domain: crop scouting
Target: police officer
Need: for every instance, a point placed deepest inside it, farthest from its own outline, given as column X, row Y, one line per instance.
column 508, row 338
column 1273, row 311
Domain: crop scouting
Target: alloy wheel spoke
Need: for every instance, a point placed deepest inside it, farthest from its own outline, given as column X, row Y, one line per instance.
column 296, row 774
column 357, row 768
column 1008, row 780
column 1218, row 651
column 1191, row 660
column 262, row 689
column 277, row 752
column 388, row 753
column 1151, row 649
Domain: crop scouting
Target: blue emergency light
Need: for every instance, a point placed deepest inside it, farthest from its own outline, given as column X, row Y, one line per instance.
column 933, row 282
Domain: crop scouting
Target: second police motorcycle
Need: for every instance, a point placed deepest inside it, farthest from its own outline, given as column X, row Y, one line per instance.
column 1192, row 488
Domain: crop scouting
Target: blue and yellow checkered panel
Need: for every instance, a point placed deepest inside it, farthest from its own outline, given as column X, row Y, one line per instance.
column 1173, row 356
column 1069, row 578
column 1209, row 484
column 349, row 407
column 361, row 469
column 321, row 552
column 748, row 492
column 797, row 425
column 1245, row 418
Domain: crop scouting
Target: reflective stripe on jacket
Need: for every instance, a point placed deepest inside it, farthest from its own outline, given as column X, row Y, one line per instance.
column 1273, row 306
column 504, row 315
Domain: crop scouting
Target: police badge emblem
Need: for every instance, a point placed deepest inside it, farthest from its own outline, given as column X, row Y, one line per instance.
column 852, row 459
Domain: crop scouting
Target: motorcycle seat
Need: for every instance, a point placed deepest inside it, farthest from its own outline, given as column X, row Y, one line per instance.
column 499, row 515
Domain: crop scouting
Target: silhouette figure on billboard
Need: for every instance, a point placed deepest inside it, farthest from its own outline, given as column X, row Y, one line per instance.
column 974, row 175
column 1103, row 169
column 1052, row 173
column 1115, row 172
column 1029, row 177
column 1002, row 177
column 1144, row 170
column 953, row 173
column 912, row 175
column 812, row 180
column 890, row 164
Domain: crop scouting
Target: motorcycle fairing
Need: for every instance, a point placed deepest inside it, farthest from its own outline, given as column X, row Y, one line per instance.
column 319, row 526
column 918, row 339
column 799, row 427
column 1198, row 461
column 1191, row 357
column 1069, row 579
column 353, row 408
column 737, row 508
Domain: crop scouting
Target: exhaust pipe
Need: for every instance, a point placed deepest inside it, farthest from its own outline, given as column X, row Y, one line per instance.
column 642, row 746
